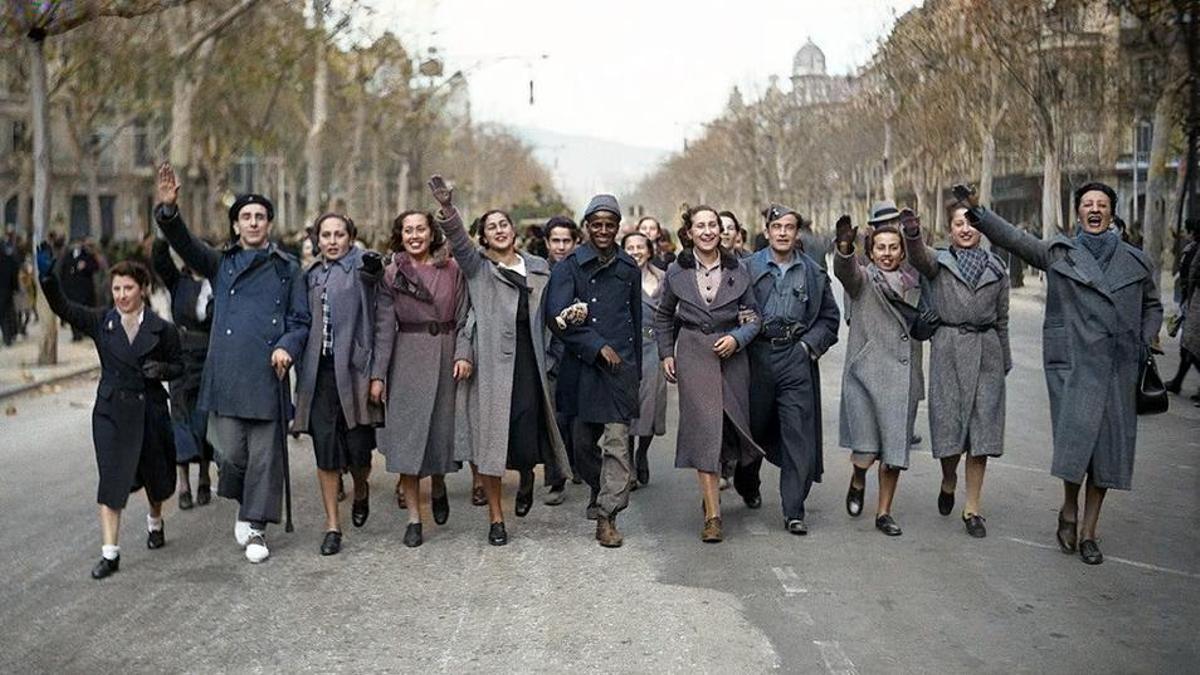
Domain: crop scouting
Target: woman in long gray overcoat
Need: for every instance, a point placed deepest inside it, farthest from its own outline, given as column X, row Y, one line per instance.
column 1102, row 311
column 334, row 373
column 880, row 383
column 706, row 317
column 423, row 353
column 969, row 356
column 509, row 418
column 652, row 394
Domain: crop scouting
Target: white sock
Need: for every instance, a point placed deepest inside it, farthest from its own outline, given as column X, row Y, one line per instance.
column 110, row 552
column 153, row 524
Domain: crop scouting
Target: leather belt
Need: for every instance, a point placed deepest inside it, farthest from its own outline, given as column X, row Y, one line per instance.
column 431, row 327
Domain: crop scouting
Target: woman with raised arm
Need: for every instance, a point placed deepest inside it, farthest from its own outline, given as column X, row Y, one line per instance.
column 508, row 413
column 706, row 317
column 423, row 352
column 880, row 385
column 131, row 426
column 1102, row 311
column 969, row 356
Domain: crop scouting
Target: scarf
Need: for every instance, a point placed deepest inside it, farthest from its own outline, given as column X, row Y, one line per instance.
column 971, row 262
column 1102, row 246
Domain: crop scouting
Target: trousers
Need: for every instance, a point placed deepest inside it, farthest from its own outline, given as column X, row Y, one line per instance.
column 602, row 459
column 251, row 465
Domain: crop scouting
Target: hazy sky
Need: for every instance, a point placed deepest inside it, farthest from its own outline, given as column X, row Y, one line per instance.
column 642, row 72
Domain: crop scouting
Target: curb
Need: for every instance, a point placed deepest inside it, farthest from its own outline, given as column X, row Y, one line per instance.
column 24, row 388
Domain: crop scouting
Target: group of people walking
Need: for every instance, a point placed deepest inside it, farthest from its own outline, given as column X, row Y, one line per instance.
column 457, row 347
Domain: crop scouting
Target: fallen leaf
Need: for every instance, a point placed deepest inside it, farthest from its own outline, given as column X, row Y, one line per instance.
column 10, row 410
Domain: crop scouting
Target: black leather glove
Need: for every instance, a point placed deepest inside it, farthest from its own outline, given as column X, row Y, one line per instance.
column 156, row 370
column 372, row 262
column 846, row 233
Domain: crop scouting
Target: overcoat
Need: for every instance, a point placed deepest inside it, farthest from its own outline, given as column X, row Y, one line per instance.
column 131, row 426
column 587, row 389
column 350, row 292
column 256, row 308
column 969, row 354
column 880, row 383
column 1098, row 328
column 815, row 311
column 710, row 388
column 652, row 393
column 481, row 436
column 1190, row 340
column 417, row 367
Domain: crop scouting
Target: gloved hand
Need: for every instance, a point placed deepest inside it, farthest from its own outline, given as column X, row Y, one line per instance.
column 156, row 370
column 910, row 223
column 846, row 234
column 45, row 259
column 372, row 262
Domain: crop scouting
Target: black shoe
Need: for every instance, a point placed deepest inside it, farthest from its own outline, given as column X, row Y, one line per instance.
column 1174, row 386
column 1066, row 534
column 203, row 495
column 854, row 496
column 1195, row 397
column 359, row 512
column 576, row 480
column 797, row 526
column 185, row 501
column 332, row 544
column 1090, row 553
column 156, row 539
column 441, row 508
column 887, row 525
column 974, row 524
column 914, row 440
column 753, row 501
column 524, row 503
column 643, row 467
column 945, row 502
column 497, row 535
column 412, row 535
column 106, row 567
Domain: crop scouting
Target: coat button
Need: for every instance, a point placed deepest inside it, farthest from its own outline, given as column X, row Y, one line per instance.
column 229, row 331
column 904, row 361
column 904, row 338
column 593, row 281
column 593, row 299
column 274, row 321
column 233, row 291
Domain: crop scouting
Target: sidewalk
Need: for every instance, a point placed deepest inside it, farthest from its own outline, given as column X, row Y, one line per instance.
column 20, row 373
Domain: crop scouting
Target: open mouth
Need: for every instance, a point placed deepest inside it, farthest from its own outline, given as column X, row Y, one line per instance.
column 1094, row 219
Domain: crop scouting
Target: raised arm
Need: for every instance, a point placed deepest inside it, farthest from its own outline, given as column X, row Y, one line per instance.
column 920, row 256
column 85, row 319
column 198, row 255
column 1025, row 246
column 164, row 267
column 469, row 260
column 845, row 264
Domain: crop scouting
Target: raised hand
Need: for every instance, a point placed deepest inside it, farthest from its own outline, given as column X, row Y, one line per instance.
column 847, row 233
column 966, row 195
column 168, row 185
column 910, row 223
column 45, row 259
column 443, row 193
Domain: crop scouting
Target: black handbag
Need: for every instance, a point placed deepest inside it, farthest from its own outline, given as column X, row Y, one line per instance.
column 1151, row 394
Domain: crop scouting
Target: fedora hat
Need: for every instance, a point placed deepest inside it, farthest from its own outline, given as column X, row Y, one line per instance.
column 883, row 212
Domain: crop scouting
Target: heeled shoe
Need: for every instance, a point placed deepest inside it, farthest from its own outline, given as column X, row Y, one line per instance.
column 974, row 525
column 1066, row 534
column 1089, row 552
column 332, row 544
column 524, row 502
column 441, row 508
column 412, row 535
column 106, row 567
column 478, row 496
column 359, row 512
column 887, row 525
column 945, row 502
column 497, row 535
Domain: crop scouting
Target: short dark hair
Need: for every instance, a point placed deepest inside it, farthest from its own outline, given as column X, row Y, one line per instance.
column 132, row 269
column 564, row 222
column 636, row 233
column 1098, row 187
column 478, row 225
column 685, row 222
column 397, row 241
column 350, row 228
column 737, row 224
column 885, row 228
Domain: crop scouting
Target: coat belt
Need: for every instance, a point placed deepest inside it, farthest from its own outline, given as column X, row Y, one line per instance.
column 431, row 327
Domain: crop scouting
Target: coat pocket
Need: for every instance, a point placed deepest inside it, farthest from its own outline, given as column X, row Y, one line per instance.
column 1056, row 348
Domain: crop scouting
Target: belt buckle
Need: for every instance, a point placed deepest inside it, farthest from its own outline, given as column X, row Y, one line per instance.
column 434, row 328
column 780, row 341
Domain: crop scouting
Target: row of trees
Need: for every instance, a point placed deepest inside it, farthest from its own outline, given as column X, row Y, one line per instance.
column 328, row 119
column 960, row 89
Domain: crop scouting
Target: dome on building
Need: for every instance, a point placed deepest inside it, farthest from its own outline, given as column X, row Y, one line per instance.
column 810, row 60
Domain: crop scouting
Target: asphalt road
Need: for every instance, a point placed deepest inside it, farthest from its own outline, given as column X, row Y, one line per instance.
column 844, row 599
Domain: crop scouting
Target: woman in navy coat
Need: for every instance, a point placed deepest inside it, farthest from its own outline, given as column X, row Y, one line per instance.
column 131, row 426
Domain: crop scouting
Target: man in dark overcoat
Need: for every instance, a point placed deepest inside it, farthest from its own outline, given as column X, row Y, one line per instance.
column 260, row 325
column 799, row 324
column 600, row 371
column 562, row 236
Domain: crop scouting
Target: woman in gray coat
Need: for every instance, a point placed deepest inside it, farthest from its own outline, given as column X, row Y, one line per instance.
column 969, row 359
column 423, row 351
column 334, row 373
column 880, row 383
column 1102, row 311
column 706, row 317
column 652, row 395
column 509, row 418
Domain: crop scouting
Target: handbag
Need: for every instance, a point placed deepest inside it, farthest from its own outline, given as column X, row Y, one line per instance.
column 1151, row 394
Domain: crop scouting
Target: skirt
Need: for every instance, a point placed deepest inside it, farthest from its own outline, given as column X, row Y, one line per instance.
column 336, row 447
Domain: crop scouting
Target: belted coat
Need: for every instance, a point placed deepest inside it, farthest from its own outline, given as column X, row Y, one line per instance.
column 1097, row 330
column 256, row 308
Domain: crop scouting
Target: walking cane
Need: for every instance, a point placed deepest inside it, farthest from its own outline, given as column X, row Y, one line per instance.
column 283, row 445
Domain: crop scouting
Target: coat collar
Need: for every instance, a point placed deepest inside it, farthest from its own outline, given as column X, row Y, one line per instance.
column 146, row 339
column 760, row 263
column 1127, row 266
column 349, row 262
column 587, row 253
column 687, row 259
column 993, row 272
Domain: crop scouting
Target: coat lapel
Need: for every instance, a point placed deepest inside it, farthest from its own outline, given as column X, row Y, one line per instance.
column 147, row 336
column 683, row 284
column 1124, row 269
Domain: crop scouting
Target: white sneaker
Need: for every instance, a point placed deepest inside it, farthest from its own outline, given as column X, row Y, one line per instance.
column 241, row 532
column 256, row 547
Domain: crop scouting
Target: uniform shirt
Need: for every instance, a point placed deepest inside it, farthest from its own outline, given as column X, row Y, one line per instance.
column 786, row 292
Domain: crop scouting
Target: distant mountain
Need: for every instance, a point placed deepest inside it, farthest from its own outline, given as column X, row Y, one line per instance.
column 584, row 166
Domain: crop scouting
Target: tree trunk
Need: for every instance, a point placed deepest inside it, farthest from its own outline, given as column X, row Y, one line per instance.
column 889, row 180
column 89, row 165
column 40, row 102
column 1052, row 215
column 402, row 186
column 313, row 156
column 1155, row 225
column 987, row 165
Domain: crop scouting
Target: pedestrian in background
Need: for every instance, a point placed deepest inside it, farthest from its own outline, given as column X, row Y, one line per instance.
column 706, row 318
column 652, row 392
column 1102, row 311
column 509, row 417
column 562, row 237
column 333, row 375
column 660, row 241
column 1187, row 280
column 131, row 425
column 422, row 358
column 879, row 378
column 78, row 268
column 969, row 356
column 733, row 235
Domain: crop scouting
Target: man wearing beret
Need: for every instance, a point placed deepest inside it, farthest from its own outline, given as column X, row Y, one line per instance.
column 260, row 324
column 600, row 371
